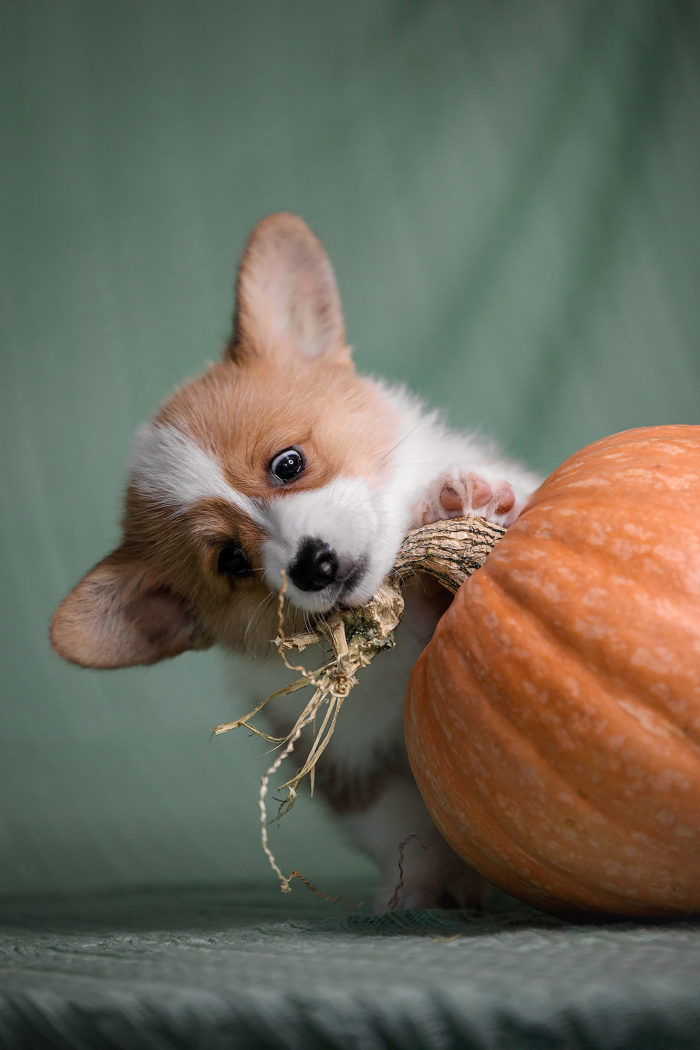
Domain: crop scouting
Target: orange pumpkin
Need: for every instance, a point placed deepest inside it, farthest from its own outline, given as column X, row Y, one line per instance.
column 553, row 722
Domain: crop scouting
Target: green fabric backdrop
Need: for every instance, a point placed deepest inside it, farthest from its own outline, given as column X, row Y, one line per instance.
column 509, row 192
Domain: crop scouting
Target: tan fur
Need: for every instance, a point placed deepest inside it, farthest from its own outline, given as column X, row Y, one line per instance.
column 121, row 613
column 245, row 413
column 286, row 295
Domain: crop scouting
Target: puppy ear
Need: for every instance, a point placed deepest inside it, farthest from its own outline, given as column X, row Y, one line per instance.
column 120, row 615
column 287, row 300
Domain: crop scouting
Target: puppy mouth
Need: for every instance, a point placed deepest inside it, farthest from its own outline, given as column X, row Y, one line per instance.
column 339, row 595
column 348, row 589
column 352, row 579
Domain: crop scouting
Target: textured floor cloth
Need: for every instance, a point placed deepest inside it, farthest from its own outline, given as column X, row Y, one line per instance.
column 221, row 969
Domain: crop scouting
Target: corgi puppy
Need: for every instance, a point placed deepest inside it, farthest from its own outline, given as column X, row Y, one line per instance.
column 280, row 457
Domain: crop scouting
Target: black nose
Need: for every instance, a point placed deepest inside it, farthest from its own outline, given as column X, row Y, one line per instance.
column 315, row 566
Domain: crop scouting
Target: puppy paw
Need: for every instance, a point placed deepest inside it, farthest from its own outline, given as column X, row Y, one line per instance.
column 460, row 492
column 429, row 875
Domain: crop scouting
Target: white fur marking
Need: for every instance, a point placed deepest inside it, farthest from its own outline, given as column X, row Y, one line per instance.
column 356, row 521
column 171, row 469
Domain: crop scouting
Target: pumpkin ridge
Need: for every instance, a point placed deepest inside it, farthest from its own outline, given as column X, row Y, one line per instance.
column 578, row 528
column 545, row 866
column 604, row 455
column 618, row 670
column 549, row 758
column 598, row 550
column 596, row 803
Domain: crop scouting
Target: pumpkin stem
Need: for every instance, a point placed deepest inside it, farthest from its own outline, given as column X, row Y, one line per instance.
column 449, row 551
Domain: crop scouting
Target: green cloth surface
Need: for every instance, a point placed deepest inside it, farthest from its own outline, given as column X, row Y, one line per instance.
column 248, row 968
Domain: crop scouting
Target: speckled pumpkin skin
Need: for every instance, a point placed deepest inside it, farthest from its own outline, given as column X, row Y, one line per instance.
column 553, row 722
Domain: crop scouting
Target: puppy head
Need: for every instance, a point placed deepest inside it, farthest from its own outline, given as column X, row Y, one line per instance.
column 277, row 458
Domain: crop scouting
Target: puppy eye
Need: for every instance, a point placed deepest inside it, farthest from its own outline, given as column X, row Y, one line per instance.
column 233, row 561
column 287, row 465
